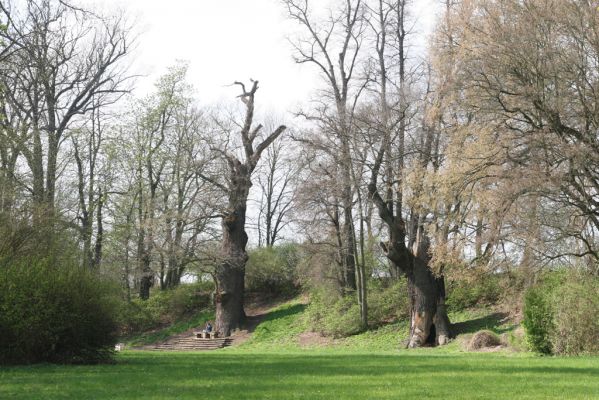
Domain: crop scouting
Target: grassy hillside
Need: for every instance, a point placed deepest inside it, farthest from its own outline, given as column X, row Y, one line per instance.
column 286, row 326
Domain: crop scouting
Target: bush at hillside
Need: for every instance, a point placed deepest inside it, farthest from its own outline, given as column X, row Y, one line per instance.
column 539, row 319
column 164, row 307
column 339, row 316
column 55, row 311
column 273, row 270
column 330, row 315
column 561, row 314
column 464, row 294
column 577, row 317
column 387, row 301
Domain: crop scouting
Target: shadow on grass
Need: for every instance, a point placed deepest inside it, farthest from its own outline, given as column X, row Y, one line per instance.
column 253, row 321
column 285, row 312
column 493, row 322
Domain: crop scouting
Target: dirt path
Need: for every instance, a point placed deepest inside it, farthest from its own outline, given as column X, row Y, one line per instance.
column 255, row 314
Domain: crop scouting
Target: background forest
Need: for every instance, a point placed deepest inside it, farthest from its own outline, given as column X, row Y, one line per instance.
column 414, row 186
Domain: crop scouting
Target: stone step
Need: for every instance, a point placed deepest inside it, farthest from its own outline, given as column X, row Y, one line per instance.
column 193, row 343
column 188, row 346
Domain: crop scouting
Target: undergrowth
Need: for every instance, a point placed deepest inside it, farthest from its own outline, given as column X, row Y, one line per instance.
column 281, row 329
column 196, row 321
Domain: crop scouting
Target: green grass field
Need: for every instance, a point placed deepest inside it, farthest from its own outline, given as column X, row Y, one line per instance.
column 273, row 366
column 310, row 374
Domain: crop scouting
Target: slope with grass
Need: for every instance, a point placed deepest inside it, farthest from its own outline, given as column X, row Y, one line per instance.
column 183, row 327
column 286, row 327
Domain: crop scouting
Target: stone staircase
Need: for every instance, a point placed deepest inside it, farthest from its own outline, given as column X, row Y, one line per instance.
column 193, row 343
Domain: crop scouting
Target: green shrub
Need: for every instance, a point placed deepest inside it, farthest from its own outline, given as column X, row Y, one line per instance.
column 273, row 270
column 464, row 294
column 387, row 302
column 163, row 307
column 330, row 315
column 538, row 319
column 339, row 316
column 576, row 317
column 55, row 312
column 136, row 317
column 561, row 314
column 187, row 299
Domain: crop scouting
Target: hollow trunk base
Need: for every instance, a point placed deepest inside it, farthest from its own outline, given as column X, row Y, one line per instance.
column 429, row 320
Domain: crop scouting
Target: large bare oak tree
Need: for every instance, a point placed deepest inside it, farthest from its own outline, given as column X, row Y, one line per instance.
column 230, row 272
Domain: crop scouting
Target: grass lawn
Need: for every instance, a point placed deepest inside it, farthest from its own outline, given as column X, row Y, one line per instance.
column 273, row 366
column 309, row 374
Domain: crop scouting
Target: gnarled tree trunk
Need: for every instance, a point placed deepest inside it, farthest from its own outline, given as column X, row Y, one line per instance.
column 230, row 273
column 429, row 321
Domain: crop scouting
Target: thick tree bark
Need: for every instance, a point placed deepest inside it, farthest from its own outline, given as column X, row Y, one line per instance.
column 146, row 275
column 340, row 271
column 429, row 322
column 145, row 283
column 361, row 270
column 146, row 280
column 230, row 314
column 441, row 320
column 230, row 274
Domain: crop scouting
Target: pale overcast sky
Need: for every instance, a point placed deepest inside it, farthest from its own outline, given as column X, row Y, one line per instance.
column 228, row 40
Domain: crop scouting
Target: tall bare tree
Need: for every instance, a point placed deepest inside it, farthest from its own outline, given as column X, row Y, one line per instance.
column 230, row 272
column 408, row 245
column 276, row 200
column 92, row 165
column 333, row 46
column 65, row 62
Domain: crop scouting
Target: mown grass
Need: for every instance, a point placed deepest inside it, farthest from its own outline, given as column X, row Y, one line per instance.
column 371, row 365
column 312, row 374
